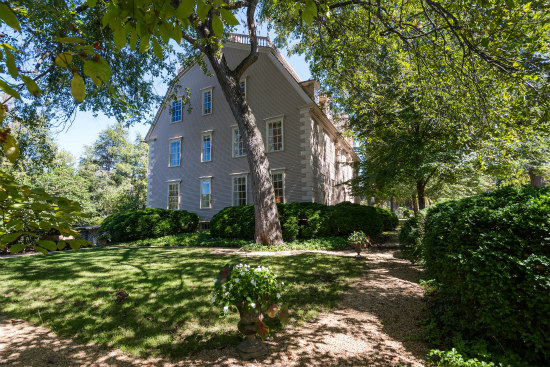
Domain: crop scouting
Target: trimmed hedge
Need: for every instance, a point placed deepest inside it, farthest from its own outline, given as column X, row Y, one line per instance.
column 301, row 220
column 389, row 219
column 489, row 258
column 411, row 235
column 148, row 223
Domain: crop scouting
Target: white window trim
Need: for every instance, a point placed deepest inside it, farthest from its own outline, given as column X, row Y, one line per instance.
column 204, row 90
column 171, row 182
column 180, row 139
column 209, row 179
column 233, row 189
column 205, row 133
column 274, row 119
column 283, row 171
column 235, row 128
column 171, row 110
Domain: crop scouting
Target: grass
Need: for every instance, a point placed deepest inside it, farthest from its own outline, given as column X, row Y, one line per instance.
column 203, row 239
column 168, row 312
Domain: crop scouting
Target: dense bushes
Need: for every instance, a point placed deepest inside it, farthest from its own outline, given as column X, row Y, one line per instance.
column 148, row 223
column 301, row 220
column 411, row 235
column 489, row 260
column 389, row 219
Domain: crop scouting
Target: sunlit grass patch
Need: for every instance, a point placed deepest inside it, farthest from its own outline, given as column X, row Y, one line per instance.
column 168, row 311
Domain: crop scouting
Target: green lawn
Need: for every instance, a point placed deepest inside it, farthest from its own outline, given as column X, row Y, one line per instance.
column 168, row 311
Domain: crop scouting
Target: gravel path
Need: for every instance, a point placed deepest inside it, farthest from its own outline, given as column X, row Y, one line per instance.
column 377, row 323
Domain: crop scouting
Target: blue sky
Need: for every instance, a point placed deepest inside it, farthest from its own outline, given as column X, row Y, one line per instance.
column 85, row 128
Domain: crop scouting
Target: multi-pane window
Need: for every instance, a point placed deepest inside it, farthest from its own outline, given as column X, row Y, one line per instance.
column 239, row 149
column 239, row 190
column 275, row 135
column 176, row 110
column 278, row 179
column 207, row 102
column 174, row 195
column 175, row 152
column 243, row 87
column 206, row 193
column 206, row 147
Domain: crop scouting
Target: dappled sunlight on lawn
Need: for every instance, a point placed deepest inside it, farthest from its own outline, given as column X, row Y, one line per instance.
column 168, row 311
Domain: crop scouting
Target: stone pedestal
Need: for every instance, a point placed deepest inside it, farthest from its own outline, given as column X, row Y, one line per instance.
column 252, row 346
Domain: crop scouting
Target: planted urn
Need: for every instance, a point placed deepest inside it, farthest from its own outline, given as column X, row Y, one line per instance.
column 358, row 240
column 253, row 292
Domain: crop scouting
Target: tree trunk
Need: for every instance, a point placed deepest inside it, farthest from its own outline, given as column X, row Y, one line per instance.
column 392, row 204
column 420, row 186
column 536, row 180
column 414, row 204
column 268, row 227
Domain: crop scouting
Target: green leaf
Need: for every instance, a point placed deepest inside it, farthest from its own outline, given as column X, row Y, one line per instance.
column 78, row 90
column 217, row 26
column 91, row 3
column 49, row 245
column 10, row 63
column 31, row 85
column 202, row 9
column 69, row 39
column 309, row 12
column 9, row 90
column 17, row 248
column 485, row 42
column 157, row 49
column 510, row 4
column 3, row 195
column 10, row 237
column 9, row 17
column 229, row 17
column 61, row 245
column 144, row 44
column 119, row 37
column 97, row 69
column 185, row 9
column 134, row 38
column 41, row 249
column 165, row 31
column 64, row 59
column 11, row 150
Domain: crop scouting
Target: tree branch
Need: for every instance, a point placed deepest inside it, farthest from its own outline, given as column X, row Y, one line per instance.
column 253, row 54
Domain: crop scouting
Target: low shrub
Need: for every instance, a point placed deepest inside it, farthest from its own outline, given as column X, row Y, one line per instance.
column 451, row 358
column 148, row 223
column 489, row 258
column 411, row 235
column 301, row 220
column 389, row 219
column 348, row 218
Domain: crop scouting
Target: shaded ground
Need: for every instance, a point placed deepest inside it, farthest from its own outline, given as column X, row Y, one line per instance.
column 377, row 323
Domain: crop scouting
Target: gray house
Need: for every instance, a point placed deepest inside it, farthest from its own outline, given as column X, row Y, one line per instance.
column 197, row 160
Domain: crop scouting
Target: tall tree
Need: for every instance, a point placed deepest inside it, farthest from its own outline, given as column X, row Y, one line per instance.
column 115, row 172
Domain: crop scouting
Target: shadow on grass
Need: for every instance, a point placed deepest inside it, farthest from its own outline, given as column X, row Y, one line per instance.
column 168, row 311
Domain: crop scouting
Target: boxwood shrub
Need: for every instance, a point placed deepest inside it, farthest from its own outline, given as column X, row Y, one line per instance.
column 489, row 260
column 301, row 220
column 411, row 235
column 389, row 219
column 148, row 223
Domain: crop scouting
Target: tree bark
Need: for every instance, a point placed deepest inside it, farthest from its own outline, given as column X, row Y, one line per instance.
column 420, row 186
column 392, row 204
column 536, row 180
column 414, row 204
column 268, row 227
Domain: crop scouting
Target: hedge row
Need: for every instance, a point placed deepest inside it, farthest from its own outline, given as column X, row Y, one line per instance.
column 148, row 223
column 306, row 220
column 489, row 259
